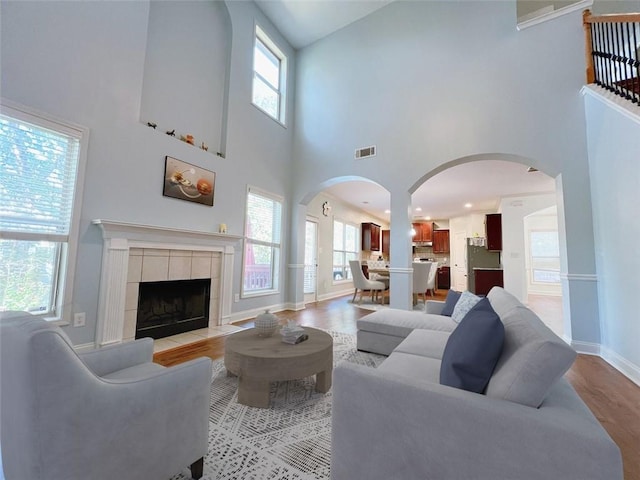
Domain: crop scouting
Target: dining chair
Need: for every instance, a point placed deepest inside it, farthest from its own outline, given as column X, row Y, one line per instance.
column 421, row 273
column 362, row 284
column 431, row 282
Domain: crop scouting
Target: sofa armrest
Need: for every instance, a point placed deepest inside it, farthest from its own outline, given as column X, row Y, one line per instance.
column 407, row 428
column 111, row 358
column 434, row 306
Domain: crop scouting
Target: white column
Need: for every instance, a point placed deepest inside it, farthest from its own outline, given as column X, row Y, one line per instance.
column 401, row 271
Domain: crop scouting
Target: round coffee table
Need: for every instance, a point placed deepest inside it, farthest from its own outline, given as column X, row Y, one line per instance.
column 260, row 360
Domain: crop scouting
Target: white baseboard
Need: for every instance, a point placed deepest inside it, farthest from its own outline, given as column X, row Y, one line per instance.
column 84, row 347
column 587, row 348
column 254, row 312
column 330, row 295
column 624, row 366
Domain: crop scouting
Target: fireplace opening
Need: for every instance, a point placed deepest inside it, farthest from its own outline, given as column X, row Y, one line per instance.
column 172, row 307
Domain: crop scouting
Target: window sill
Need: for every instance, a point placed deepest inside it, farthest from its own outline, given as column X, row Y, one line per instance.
column 261, row 293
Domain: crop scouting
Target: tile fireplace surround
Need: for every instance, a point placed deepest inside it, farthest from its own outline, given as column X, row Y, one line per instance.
column 142, row 253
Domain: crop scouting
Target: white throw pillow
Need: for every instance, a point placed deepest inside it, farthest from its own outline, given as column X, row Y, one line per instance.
column 466, row 302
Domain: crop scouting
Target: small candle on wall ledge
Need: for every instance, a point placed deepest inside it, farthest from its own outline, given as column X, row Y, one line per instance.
column 222, row 228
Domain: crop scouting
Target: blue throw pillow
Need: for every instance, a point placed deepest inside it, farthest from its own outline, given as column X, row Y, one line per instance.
column 473, row 349
column 450, row 302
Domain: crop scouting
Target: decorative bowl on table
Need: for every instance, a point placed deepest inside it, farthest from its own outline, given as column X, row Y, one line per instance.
column 266, row 324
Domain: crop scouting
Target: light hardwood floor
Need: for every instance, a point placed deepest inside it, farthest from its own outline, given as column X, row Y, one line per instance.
column 612, row 397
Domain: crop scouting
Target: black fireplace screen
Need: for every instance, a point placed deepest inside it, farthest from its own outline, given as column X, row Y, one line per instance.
column 172, row 307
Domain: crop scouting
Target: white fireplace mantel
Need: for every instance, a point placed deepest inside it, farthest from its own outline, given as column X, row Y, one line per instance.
column 120, row 237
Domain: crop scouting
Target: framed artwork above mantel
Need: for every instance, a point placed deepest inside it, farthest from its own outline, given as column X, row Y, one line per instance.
column 188, row 182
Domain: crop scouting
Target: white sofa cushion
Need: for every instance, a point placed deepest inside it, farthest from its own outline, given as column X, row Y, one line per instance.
column 427, row 343
column 533, row 357
column 401, row 322
column 413, row 366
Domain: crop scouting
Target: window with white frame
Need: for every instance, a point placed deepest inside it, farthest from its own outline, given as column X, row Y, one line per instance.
column 545, row 256
column 345, row 248
column 263, row 230
column 269, row 76
column 40, row 165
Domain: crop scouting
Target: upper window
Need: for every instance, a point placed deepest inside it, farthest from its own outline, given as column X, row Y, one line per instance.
column 263, row 228
column 269, row 76
column 345, row 248
column 39, row 160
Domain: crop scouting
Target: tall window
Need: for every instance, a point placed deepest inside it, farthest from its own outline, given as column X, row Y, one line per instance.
column 39, row 161
column 545, row 257
column 345, row 248
column 269, row 76
column 263, row 228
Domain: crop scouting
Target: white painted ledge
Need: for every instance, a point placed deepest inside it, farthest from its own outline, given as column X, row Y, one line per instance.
column 545, row 17
column 619, row 104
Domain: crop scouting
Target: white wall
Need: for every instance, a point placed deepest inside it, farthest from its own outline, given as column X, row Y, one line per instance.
column 514, row 211
column 614, row 151
column 84, row 62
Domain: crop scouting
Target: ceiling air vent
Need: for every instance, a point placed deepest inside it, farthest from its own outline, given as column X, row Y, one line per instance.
column 366, row 152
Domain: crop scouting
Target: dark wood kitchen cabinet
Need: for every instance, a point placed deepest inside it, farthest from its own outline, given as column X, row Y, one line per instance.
column 493, row 231
column 370, row 236
column 487, row 279
column 444, row 278
column 441, row 241
column 386, row 242
column 424, row 232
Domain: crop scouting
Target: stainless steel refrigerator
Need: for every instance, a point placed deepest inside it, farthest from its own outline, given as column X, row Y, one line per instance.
column 479, row 257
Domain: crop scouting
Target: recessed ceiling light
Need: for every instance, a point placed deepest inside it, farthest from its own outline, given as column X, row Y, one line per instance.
column 387, row 211
column 468, row 205
column 418, row 209
column 427, row 218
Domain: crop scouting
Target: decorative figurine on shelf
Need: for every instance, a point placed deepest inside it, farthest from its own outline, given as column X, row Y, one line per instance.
column 187, row 138
column 171, row 133
column 152, row 125
column 204, row 147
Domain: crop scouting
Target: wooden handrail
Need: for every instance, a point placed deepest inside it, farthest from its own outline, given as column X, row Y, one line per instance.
column 611, row 17
column 591, row 73
column 616, row 22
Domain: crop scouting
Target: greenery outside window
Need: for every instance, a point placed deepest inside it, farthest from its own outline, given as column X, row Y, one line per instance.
column 269, row 77
column 263, row 231
column 40, row 192
column 345, row 248
column 545, row 257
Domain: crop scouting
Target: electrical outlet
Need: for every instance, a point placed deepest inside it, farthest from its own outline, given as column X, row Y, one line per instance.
column 236, row 298
column 79, row 319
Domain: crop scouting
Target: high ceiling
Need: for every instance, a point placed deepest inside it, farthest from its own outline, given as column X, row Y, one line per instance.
column 443, row 196
column 481, row 184
column 302, row 22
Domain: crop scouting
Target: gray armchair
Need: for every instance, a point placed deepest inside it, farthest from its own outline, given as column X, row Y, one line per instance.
column 106, row 414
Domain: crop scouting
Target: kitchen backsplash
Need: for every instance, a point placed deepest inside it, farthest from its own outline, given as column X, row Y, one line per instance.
column 419, row 252
column 427, row 252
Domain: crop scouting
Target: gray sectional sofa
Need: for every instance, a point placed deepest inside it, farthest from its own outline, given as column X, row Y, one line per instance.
column 398, row 422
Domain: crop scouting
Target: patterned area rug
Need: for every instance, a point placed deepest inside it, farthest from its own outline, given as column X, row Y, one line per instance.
column 290, row 440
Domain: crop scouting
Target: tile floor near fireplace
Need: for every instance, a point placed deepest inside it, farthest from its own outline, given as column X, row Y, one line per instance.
column 167, row 343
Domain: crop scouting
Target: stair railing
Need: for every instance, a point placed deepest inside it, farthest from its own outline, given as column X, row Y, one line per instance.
column 613, row 53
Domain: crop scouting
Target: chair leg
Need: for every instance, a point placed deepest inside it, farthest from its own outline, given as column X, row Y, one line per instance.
column 355, row 292
column 197, row 468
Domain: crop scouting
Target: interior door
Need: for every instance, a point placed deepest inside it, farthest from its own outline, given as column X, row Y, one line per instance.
column 311, row 261
column 459, row 262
